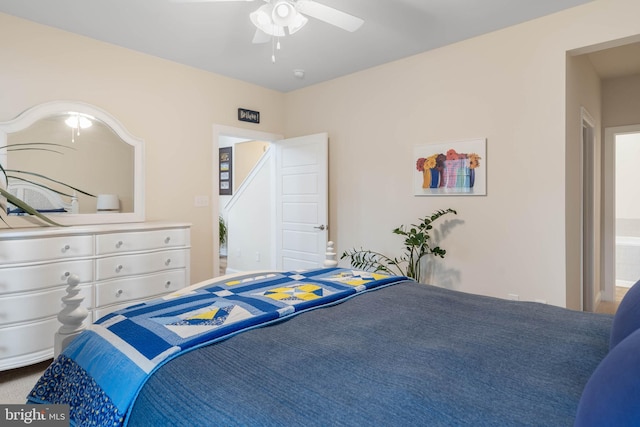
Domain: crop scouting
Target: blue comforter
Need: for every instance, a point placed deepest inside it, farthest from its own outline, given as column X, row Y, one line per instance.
column 101, row 372
column 403, row 355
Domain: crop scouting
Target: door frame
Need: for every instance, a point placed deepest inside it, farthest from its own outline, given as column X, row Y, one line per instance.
column 590, row 293
column 218, row 132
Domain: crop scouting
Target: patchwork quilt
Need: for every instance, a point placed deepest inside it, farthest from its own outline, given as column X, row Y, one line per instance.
column 101, row 372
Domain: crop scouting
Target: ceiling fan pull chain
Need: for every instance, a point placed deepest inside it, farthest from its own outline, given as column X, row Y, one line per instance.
column 273, row 50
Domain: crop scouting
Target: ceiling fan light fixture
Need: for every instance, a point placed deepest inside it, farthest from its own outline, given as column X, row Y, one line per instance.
column 273, row 17
column 299, row 21
column 261, row 18
column 77, row 121
column 283, row 13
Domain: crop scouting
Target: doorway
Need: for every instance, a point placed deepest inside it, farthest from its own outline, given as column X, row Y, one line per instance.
column 621, row 211
column 228, row 136
column 277, row 218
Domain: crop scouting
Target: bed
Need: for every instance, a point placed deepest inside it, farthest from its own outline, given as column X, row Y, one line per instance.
column 40, row 198
column 341, row 347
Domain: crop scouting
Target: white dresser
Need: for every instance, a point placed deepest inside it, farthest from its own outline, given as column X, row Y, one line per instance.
column 117, row 264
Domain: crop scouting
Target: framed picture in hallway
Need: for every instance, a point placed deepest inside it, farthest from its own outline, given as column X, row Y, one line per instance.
column 225, row 161
column 451, row 168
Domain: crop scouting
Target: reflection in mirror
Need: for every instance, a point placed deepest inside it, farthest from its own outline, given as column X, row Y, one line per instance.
column 91, row 151
column 90, row 156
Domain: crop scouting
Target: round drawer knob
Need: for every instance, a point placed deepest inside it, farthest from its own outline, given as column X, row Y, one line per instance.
column 168, row 284
column 119, row 292
column 167, row 262
column 66, row 248
column 119, row 268
column 119, row 244
column 167, row 240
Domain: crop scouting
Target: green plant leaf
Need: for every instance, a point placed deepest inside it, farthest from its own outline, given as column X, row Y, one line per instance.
column 25, row 207
column 48, row 179
column 222, row 228
column 6, row 173
column 416, row 247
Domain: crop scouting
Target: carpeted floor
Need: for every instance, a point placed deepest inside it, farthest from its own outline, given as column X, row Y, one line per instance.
column 15, row 384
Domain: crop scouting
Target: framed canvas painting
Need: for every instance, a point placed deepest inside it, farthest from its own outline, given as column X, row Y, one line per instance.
column 451, row 168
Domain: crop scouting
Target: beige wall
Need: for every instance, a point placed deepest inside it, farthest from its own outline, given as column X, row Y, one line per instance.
column 621, row 101
column 250, row 220
column 172, row 107
column 245, row 157
column 507, row 86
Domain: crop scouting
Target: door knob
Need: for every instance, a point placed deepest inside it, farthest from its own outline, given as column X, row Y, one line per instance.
column 320, row 227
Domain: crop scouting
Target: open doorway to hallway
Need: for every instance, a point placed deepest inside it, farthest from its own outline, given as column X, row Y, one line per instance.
column 235, row 174
column 243, row 155
column 622, row 213
column 278, row 217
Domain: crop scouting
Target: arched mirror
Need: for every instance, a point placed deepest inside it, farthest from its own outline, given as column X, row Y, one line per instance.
column 87, row 168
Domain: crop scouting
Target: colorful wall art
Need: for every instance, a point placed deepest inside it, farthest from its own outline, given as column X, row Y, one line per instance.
column 453, row 168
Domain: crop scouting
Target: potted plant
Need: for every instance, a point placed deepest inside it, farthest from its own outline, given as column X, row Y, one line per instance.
column 222, row 230
column 417, row 245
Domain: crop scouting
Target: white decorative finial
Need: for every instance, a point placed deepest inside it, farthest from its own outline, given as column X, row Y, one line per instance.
column 330, row 256
column 71, row 316
column 74, row 203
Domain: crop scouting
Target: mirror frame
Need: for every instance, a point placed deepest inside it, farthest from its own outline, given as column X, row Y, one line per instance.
column 47, row 109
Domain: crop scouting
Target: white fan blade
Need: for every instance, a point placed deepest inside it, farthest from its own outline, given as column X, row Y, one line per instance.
column 202, row 1
column 261, row 37
column 329, row 15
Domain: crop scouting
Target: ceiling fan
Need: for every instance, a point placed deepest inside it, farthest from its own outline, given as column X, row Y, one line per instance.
column 278, row 18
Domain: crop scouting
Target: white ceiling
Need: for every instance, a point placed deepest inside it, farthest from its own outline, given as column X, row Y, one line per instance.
column 218, row 36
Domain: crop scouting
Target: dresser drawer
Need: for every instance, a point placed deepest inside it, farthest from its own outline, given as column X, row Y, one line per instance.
column 143, row 240
column 30, row 250
column 29, row 306
column 27, row 339
column 132, row 288
column 127, row 265
column 29, row 278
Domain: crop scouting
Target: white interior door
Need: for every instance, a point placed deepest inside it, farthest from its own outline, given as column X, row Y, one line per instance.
column 301, row 228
